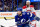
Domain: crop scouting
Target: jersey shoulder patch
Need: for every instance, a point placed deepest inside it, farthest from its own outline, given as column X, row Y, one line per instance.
column 23, row 13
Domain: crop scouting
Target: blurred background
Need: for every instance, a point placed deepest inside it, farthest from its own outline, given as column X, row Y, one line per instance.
column 12, row 5
column 8, row 5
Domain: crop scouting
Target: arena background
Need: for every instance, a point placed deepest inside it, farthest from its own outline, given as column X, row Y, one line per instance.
column 12, row 5
column 8, row 9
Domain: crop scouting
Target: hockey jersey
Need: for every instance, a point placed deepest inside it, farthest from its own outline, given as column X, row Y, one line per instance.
column 29, row 9
column 24, row 18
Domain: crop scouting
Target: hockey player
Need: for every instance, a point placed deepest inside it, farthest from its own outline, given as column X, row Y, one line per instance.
column 22, row 18
column 29, row 8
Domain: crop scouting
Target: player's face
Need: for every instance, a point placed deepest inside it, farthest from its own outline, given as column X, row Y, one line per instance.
column 28, row 3
column 19, row 12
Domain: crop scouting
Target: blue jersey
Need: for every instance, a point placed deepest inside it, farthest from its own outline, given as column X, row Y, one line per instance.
column 24, row 18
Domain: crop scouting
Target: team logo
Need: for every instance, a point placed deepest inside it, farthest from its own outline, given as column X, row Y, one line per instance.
column 23, row 20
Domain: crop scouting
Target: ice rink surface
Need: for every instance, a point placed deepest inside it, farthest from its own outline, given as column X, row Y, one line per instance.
column 8, row 23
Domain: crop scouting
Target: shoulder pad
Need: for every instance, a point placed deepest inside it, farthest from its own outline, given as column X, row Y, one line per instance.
column 24, row 7
column 31, row 6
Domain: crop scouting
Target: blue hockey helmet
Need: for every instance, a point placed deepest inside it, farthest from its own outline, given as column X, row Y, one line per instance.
column 19, row 9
